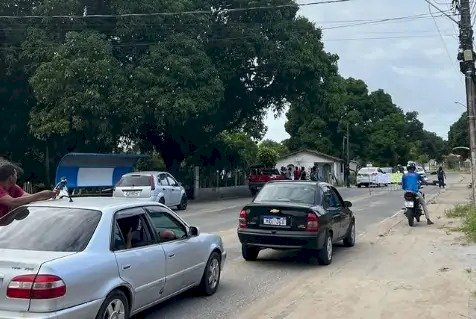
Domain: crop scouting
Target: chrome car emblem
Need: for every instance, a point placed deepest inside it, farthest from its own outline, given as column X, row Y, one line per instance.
column 274, row 211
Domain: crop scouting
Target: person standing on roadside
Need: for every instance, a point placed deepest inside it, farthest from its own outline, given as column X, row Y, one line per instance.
column 297, row 174
column 303, row 174
column 12, row 195
column 289, row 173
column 441, row 177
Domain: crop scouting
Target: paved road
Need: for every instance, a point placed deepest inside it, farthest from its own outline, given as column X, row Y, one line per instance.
column 243, row 282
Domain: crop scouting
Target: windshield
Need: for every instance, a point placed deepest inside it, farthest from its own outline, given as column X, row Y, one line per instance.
column 48, row 229
column 287, row 192
column 135, row 180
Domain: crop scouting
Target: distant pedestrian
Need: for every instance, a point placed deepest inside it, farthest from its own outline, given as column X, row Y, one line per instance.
column 303, row 174
column 312, row 175
column 297, row 174
column 441, row 177
column 289, row 173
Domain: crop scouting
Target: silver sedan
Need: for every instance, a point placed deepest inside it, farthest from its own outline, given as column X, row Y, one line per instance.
column 101, row 258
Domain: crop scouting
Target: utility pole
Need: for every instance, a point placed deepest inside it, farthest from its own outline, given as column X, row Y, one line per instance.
column 347, row 162
column 466, row 57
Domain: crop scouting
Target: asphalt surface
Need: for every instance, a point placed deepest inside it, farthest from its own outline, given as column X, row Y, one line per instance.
column 244, row 282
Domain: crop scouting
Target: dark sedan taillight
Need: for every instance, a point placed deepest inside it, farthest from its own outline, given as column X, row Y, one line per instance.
column 36, row 287
column 312, row 222
column 243, row 219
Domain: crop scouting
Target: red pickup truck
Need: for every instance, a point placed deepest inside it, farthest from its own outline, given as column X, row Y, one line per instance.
column 260, row 175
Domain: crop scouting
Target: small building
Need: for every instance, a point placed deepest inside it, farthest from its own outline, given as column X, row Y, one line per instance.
column 331, row 169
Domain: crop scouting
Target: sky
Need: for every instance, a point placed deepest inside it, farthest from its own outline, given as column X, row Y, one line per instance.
column 413, row 63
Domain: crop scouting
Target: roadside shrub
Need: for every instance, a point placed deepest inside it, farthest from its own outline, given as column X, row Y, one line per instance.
column 459, row 211
column 469, row 224
column 468, row 213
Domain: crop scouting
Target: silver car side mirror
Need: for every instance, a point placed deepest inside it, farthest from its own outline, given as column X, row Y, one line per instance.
column 193, row 231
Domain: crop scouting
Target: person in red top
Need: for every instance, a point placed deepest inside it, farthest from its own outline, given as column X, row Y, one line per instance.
column 297, row 174
column 12, row 195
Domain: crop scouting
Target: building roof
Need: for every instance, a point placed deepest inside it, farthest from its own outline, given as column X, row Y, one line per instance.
column 332, row 158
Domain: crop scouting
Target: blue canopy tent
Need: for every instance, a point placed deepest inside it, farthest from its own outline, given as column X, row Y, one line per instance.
column 95, row 170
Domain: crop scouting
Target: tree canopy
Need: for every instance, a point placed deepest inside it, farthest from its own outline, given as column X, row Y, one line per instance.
column 380, row 132
column 194, row 88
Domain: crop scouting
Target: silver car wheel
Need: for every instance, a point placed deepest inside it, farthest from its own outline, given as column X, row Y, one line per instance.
column 213, row 273
column 115, row 310
column 329, row 247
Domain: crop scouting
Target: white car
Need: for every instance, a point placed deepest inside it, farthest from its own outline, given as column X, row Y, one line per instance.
column 100, row 258
column 153, row 186
column 368, row 176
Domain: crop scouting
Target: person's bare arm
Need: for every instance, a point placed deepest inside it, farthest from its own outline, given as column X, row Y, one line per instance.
column 11, row 202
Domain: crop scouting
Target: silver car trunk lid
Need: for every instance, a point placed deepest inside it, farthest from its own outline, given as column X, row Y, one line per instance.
column 17, row 263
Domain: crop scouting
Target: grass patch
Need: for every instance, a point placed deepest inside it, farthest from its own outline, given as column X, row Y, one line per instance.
column 459, row 211
column 468, row 213
column 469, row 224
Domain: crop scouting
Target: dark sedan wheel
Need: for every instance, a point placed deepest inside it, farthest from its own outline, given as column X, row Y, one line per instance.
column 249, row 253
column 349, row 240
column 211, row 275
column 183, row 203
column 324, row 256
column 115, row 306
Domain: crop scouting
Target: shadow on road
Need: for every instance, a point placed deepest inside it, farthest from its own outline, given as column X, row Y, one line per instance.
column 268, row 260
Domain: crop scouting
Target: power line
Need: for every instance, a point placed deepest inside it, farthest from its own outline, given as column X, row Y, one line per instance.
column 378, row 21
column 386, row 38
column 441, row 11
column 125, row 15
column 211, row 40
column 441, row 37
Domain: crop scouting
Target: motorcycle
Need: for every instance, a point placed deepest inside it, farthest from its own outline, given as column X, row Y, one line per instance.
column 413, row 209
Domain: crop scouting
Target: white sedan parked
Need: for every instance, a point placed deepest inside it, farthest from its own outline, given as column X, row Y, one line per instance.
column 154, row 186
column 100, row 258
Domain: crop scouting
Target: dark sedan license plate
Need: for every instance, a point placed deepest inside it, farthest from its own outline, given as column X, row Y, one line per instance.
column 274, row 221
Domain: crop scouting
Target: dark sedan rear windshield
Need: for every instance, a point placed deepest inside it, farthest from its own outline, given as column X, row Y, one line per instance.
column 48, row 229
column 135, row 180
column 288, row 192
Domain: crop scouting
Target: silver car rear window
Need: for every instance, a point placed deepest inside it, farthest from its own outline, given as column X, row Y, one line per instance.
column 135, row 180
column 48, row 229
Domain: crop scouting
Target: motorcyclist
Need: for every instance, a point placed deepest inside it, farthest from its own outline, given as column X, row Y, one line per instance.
column 411, row 182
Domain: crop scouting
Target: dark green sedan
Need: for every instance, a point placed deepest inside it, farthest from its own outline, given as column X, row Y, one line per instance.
column 303, row 215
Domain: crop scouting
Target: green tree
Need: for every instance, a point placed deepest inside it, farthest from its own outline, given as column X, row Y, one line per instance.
column 267, row 156
column 458, row 134
column 80, row 94
column 278, row 147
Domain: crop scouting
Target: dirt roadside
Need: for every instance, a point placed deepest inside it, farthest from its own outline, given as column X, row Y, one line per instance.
column 394, row 271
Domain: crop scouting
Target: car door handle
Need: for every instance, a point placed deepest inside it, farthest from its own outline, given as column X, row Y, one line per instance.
column 171, row 255
column 125, row 267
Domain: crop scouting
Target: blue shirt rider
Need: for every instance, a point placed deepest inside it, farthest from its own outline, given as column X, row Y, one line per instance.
column 411, row 183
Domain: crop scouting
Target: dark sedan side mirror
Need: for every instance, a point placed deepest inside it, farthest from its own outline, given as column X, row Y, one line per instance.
column 194, row 231
column 347, row 204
